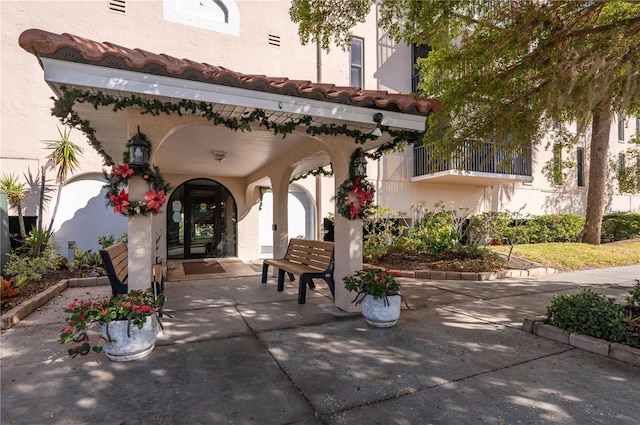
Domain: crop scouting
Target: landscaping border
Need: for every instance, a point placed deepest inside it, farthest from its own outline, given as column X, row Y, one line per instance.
column 474, row 276
column 27, row 307
column 613, row 350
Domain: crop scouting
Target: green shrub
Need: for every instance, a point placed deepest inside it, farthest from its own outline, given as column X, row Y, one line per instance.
column 555, row 228
column 438, row 229
column 86, row 260
column 107, row 241
column 488, row 227
column 31, row 242
column 375, row 246
column 619, row 226
column 435, row 234
column 588, row 313
column 31, row 267
column 633, row 299
column 383, row 233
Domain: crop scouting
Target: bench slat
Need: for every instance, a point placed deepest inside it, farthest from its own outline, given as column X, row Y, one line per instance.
column 115, row 260
column 307, row 258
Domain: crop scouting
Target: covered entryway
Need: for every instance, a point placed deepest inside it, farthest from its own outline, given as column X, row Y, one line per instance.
column 201, row 221
column 239, row 130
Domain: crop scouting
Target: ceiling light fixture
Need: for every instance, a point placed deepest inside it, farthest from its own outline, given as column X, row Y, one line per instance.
column 219, row 155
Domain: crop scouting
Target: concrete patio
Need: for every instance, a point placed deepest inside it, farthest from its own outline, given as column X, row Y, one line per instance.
column 235, row 351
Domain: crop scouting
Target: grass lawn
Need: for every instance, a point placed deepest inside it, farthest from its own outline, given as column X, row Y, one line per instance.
column 578, row 256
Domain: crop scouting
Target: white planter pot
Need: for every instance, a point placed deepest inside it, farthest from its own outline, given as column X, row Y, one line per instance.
column 380, row 315
column 137, row 345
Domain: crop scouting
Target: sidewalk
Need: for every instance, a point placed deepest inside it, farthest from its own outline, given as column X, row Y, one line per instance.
column 236, row 351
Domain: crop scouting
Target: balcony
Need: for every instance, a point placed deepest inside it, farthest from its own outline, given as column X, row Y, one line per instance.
column 482, row 164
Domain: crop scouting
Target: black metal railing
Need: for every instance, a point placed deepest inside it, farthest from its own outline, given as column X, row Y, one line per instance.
column 484, row 157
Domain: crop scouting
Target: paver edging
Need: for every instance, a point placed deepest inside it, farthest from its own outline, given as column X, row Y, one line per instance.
column 621, row 352
column 27, row 307
column 471, row 276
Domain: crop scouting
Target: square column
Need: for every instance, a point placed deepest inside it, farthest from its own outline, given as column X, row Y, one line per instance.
column 141, row 244
column 348, row 258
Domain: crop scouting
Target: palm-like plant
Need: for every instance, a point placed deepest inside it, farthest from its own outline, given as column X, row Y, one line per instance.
column 65, row 157
column 16, row 193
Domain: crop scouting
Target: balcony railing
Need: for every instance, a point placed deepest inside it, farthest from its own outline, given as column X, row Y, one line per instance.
column 483, row 157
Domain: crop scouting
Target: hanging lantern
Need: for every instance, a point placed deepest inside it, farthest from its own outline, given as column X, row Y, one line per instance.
column 138, row 151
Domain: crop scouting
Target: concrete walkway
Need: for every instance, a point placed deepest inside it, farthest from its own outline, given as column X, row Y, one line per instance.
column 236, row 351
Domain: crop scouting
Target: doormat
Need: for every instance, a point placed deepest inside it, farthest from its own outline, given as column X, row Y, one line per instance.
column 202, row 267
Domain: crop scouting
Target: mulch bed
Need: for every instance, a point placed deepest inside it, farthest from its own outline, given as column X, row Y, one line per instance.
column 32, row 289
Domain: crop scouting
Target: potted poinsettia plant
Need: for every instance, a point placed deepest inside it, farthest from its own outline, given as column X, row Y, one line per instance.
column 128, row 325
column 380, row 294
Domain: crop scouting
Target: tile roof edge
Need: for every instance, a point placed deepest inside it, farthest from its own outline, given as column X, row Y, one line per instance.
column 44, row 43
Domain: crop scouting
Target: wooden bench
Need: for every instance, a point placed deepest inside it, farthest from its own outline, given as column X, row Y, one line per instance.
column 115, row 260
column 309, row 260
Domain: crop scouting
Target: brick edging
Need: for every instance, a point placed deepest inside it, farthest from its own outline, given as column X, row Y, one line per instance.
column 621, row 352
column 474, row 276
column 27, row 307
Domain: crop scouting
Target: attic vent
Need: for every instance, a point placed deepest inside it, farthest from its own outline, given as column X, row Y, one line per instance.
column 274, row 40
column 117, row 6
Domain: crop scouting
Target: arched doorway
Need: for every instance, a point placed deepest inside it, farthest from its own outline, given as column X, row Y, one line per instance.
column 301, row 218
column 201, row 221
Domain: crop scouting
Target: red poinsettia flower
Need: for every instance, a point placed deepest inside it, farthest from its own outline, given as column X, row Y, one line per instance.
column 154, row 200
column 354, row 210
column 364, row 196
column 124, row 171
column 120, row 202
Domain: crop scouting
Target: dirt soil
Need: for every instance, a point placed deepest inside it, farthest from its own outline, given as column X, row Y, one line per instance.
column 32, row 289
column 398, row 261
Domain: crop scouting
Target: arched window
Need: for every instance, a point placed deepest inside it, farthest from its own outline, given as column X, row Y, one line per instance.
column 215, row 15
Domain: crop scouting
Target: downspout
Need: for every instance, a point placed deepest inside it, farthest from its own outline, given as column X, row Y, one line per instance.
column 319, row 215
column 318, row 62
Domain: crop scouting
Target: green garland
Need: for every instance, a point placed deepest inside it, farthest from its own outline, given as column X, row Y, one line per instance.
column 117, row 198
column 63, row 109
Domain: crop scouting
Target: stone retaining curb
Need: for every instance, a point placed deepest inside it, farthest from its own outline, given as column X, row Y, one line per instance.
column 475, row 276
column 27, row 307
column 621, row 352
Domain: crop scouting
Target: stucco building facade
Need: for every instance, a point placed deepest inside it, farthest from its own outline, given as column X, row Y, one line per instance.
column 252, row 38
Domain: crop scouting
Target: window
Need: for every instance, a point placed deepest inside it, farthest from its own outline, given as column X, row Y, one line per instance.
column 620, row 117
column 215, row 15
column 417, row 52
column 621, row 163
column 580, row 161
column 557, row 164
column 357, row 62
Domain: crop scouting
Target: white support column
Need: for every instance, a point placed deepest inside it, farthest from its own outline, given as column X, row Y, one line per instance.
column 348, row 254
column 348, row 236
column 141, row 242
column 280, row 187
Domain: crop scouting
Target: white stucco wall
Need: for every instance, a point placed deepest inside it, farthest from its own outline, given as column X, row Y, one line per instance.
column 82, row 208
